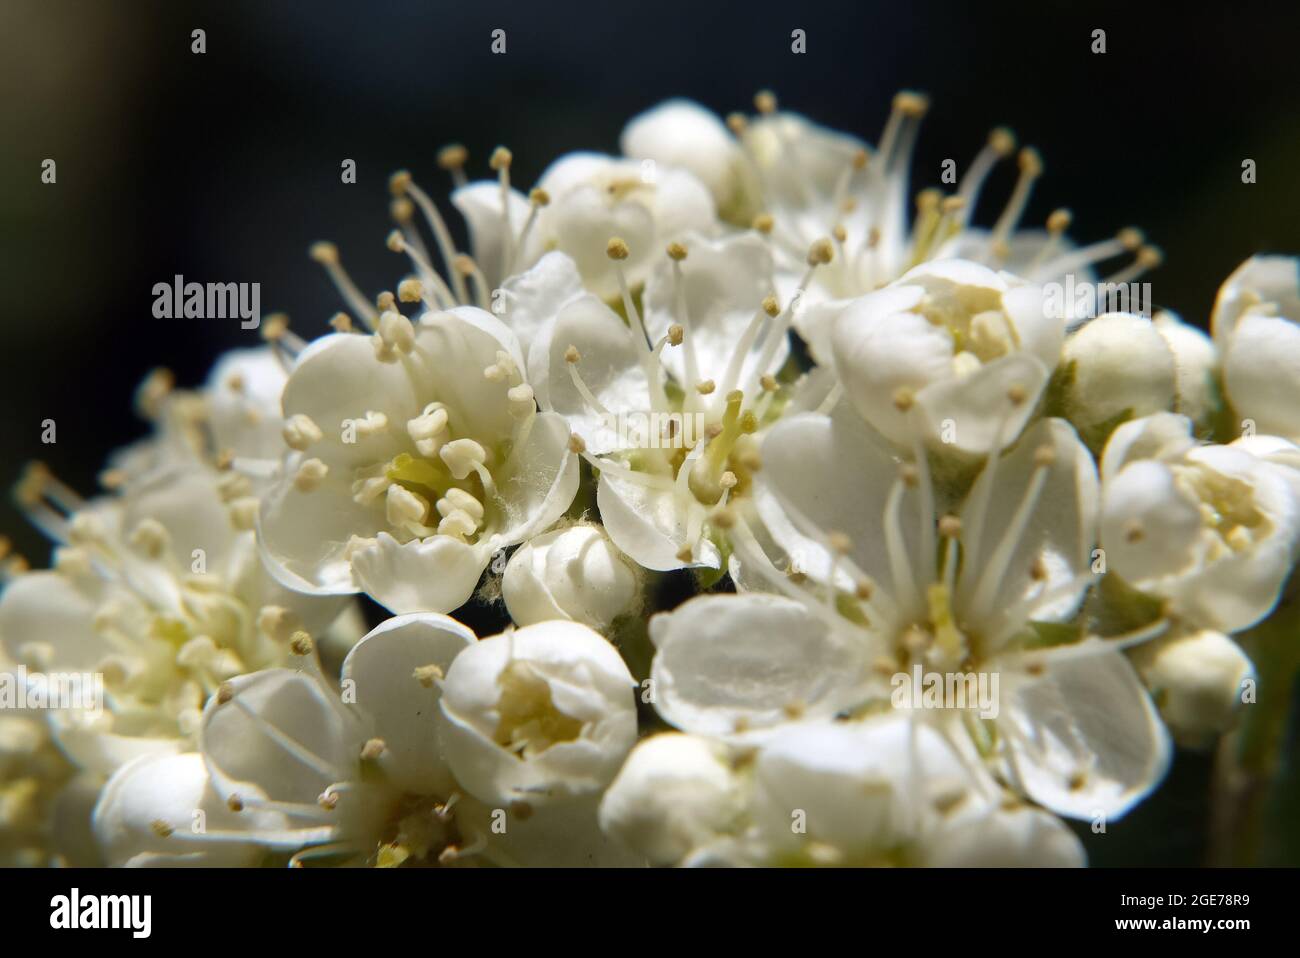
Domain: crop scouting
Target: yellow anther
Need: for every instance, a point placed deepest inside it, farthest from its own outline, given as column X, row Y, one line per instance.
column 821, row 252
column 324, row 252
column 452, row 156
column 399, row 182
column 1002, row 140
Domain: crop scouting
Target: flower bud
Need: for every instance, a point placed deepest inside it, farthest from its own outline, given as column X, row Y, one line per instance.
column 574, row 573
column 1121, row 365
column 1256, row 324
column 1017, row 837
column 1198, row 680
column 541, row 712
column 683, row 134
column 848, row 793
column 675, row 794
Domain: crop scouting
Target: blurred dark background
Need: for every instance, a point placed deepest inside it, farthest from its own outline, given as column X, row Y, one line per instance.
column 225, row 166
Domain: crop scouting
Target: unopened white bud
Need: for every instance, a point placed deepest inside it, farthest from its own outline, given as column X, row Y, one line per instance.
column 1121, row 364
column 574, row 573
column 676, row 793
column 1199, row 681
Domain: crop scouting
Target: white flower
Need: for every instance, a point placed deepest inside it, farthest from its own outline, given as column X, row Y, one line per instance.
column 574, row 573
column 675, row 795
column 539, row 714
column 592, row 197
column 420, row 454
column 806, row 182
column 1198, row 679
column 680, row 133
column 33, row 777
column 1256, row 324
column 161, row 591
column 319, row 774
column 1213, row 529
column 969, row 593
column 667, row 410
column 888, row 791
column 952, row 339
column 362, row 774
column 1120, row 365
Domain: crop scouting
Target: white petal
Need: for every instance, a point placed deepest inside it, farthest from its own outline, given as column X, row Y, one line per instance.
column 1261, row 370
column 404, row 711
column 1062, row 527
column 740, row 665
column 1195, row 362
column 437, row 574
column 650, row 525
column 243, row 401
column 880, row 347
column 973, row 414
column 538, row 482
column 1150, row 525
column 534, row 298
column 1268, row 284
column 675, row 793
column 303, row 536
column 480, row 204
column 609, row 366
column 46, row 607
column 724, row 283
column 1163, row 435
column 1020, row 837
column 1087, row 740
column 456, row 346
column 170, row 789
column 682, row 133
column 283, row 733
column 337, row 378
column 838, row 474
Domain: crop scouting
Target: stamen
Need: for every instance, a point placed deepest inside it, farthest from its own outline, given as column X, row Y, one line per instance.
column 986, row 590
column 1148, row 258
column 1031, row 167
column 441, row 236
column 900, row 566
column 397, row 242
column 327, row 254
column 537, row 198
column 452, row 158
column 500, row 161
column 617, row 251
column 1001, row 143
column 571, row 359
column 1127, row 240
column 768, row 310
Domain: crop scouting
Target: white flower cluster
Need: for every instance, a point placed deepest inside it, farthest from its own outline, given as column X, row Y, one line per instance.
column 963, row 561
